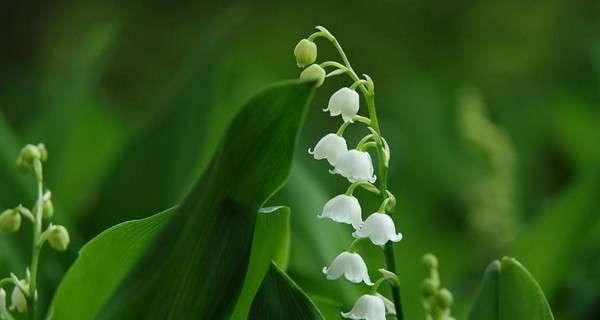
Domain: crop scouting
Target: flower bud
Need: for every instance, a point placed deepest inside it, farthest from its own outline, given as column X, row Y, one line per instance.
column 47, row 210
column 28, row 154
column 47, row 206
column 58, row 236
column 428, row 288
column 430, row 261
column 43, row 151
column 17, row 298
column 305, row 52
column 10, row 221
column 314, row 72
column 444, row 298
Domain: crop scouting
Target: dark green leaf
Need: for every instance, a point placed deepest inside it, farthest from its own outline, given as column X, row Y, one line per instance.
column 102, row 264
column 509, row 292
column 196, row 267
column 279, row 297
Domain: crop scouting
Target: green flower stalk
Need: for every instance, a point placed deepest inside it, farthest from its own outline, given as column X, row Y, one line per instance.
column 355, row 165
column 24, row 295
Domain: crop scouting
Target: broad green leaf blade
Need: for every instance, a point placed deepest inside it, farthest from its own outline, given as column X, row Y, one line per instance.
column 270, row 243
column 279, row 297
column 196, row 267
column 509, row 292
column 103, row 262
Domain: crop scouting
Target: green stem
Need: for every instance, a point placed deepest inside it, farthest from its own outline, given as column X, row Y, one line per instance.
column 390, row 258
column 354, row 244
column 37, row 246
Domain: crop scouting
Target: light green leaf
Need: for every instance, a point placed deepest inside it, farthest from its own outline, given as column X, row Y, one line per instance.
column 196, row 267
column 271, row 242
column 279, row 297
column 509, row 292
column 102, row 264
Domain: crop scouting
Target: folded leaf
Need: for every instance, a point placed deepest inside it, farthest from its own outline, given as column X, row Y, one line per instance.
column 279, row 297
column 196, row 267
column 509, row 292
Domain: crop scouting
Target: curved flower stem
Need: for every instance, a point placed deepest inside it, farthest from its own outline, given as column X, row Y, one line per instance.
column 342, row 128
column 354, row 244
column 364, row 184
column 366, row 146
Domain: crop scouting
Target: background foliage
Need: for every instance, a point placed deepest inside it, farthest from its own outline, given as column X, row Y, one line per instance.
column 491, row 109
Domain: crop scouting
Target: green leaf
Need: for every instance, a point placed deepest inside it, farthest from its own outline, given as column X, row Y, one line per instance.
column 280, row 297
column 509, row 292
column 196, row 267
column 103, row 262
column 271, row 242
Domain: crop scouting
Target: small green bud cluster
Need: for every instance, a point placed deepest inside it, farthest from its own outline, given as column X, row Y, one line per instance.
column 437, row 301
column 306, row 55
column 24, row 294
column 29, row 154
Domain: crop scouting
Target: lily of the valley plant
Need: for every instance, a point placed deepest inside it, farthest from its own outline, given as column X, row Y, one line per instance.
column 356, row 166
column 24, row 295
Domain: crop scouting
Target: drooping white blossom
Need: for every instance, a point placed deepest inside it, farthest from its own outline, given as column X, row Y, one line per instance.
column 367, row 307
column 346, row 102
column 390, row 308
column 351, row 266
column 356, row 166
column 344, row 209
column 379, row 228
column 17, row 298
column 330, row 147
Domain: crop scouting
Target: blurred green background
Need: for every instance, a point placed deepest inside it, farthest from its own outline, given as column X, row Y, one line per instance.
column 490, row 108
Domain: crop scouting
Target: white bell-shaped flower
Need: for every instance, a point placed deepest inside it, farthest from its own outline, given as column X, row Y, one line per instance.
column 390, row 308
column 330, row 147
column 355, row 166
column 344, row 209
column 350, row 265
column 17, row 299
column 345, row 102
column 379, row 227
column 367, row 307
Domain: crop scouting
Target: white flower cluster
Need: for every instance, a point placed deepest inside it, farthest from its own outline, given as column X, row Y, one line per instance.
column 356, row 166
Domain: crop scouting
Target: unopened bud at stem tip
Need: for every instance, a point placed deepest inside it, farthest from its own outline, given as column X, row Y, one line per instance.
column 305, row 52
